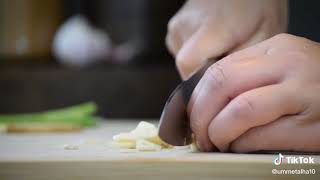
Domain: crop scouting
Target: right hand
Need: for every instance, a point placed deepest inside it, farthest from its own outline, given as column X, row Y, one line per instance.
column 205, row 29
column 265, row 97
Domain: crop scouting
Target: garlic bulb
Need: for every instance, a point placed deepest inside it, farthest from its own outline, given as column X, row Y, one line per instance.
column 77, row 43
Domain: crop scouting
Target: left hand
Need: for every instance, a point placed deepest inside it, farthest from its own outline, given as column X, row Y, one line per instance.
column 266, row 97
column 205, row 29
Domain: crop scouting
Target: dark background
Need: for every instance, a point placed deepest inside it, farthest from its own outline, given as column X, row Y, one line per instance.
column 304, row 19
column 138, row 89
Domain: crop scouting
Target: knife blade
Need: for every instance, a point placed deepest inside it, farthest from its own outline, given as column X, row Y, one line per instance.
column 174, row 125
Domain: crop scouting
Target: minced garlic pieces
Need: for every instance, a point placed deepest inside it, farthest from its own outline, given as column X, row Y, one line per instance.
column 194, row 147
column 143, row 138
column 145, row 145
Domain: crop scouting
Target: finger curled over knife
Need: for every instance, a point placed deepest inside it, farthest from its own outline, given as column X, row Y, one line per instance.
column 247, row 95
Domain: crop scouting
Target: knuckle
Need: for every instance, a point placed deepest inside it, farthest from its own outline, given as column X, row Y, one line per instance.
column 242, row 108
column 168, row 40
column 288, row 38
column 296, row 49
column 169, row 44
column 183, row 64
column 283, row 36
column 173, row 25
column 216, row 76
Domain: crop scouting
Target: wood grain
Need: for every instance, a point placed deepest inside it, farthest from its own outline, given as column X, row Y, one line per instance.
column 42, row 156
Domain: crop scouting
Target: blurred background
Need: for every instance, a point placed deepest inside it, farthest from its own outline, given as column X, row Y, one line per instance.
column 56, row 53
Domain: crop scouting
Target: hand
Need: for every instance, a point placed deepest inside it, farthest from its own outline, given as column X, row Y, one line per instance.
column 266, row 97
column 205, row 29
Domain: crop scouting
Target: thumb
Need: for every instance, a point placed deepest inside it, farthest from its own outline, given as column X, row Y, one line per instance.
column 203, row 44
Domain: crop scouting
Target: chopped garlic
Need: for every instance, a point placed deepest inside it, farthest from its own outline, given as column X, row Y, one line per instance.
column 194, row 147
column 157, row 140
column 70, row 147
column 126, row 137
column 144, row 130
column 124, row 145
column 143, row 138
column 144, row 145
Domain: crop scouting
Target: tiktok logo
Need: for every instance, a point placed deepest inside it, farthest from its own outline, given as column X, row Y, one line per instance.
column 278, row 160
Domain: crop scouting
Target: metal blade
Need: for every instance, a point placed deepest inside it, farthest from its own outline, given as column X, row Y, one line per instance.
column 174, row 126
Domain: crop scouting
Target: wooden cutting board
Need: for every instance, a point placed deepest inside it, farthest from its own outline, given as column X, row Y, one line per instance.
column 43, row 156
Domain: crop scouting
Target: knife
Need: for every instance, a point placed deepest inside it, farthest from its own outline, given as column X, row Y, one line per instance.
column 174, row 125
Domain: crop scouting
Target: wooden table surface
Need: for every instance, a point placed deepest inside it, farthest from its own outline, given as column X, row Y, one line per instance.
column 43, row 156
